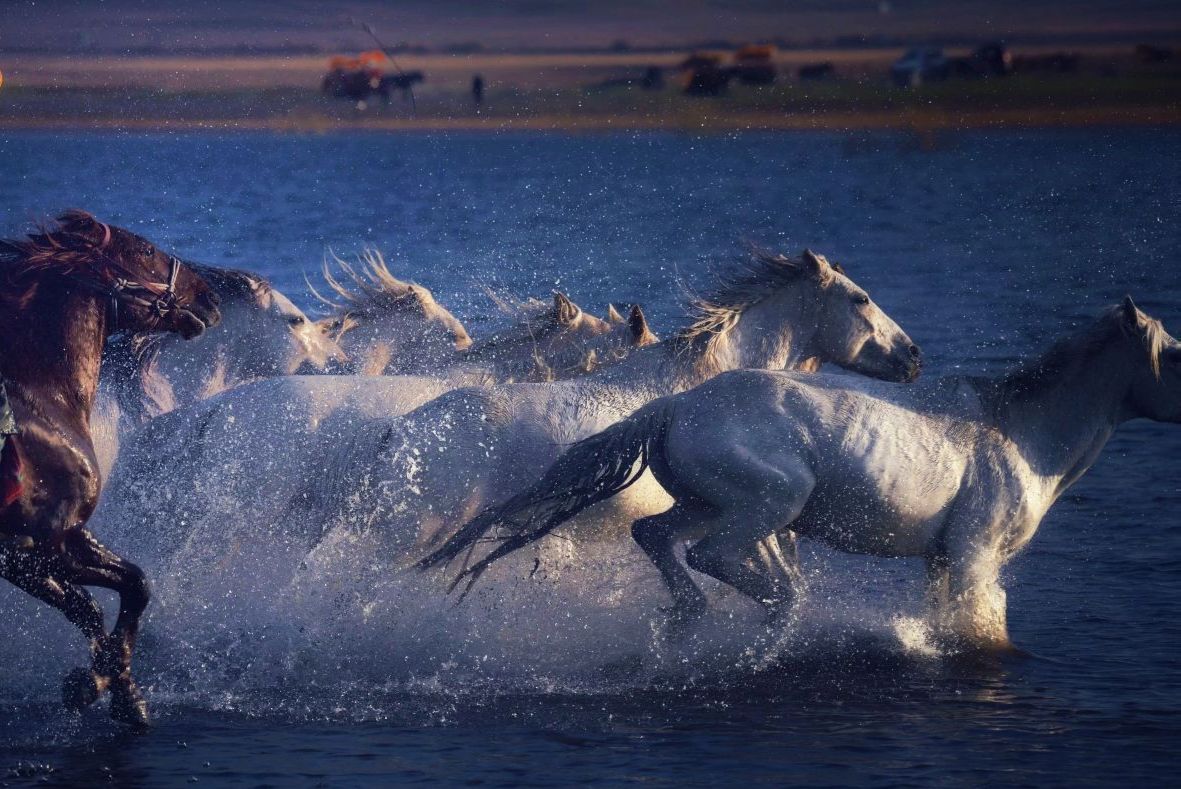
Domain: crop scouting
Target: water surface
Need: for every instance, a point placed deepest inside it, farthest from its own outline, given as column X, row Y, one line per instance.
column 984, row 246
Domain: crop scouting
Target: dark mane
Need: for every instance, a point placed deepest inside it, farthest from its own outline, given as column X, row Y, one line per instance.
column 1041, row 374
column 232, row 284
column 60, row 246
column 751, row 279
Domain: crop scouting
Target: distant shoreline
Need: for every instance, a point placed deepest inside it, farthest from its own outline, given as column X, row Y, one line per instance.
column 572, row 92
column 917, row 121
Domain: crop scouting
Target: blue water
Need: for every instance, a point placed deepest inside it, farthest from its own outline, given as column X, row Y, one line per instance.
column 983, row 245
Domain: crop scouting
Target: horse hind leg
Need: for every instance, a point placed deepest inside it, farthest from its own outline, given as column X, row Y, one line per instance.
column 657, row 536
column 724, row 552
column 778, row 557
column 88, row 562
column 716, row 556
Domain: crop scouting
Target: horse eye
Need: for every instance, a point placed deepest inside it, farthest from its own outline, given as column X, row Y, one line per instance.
column 296, row 320
column 861, row 299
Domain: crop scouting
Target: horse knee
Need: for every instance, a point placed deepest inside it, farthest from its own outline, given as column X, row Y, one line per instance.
column 703, row 560
column 649, row 535
column 137, row 590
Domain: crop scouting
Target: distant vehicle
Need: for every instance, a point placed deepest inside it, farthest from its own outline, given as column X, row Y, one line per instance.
column 923, row 64
column 808, row 71
column 988, row 60
column 754, row 64
column 1060, row 62
column 704, row 74
column 1146, row 53
column 364, row 76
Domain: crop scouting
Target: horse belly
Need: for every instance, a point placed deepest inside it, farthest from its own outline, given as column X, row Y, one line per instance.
column 884, row 496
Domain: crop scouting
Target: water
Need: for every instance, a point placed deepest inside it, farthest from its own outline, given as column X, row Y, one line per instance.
column 984, row 246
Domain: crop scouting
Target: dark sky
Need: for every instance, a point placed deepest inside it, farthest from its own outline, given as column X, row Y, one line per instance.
column 196, row 24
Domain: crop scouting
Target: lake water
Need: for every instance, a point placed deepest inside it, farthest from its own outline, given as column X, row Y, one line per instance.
column 983, row 245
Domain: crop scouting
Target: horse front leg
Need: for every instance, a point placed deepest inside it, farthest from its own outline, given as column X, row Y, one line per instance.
column 88, row 562
column 39, row 574
column 969, row 605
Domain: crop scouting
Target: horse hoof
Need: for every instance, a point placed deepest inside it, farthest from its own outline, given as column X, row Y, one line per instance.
column 80, row 689
column 128, row 706
column 681, row 620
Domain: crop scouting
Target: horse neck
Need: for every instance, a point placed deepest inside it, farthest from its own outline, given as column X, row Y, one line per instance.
column 1062, row 424
column 52, row 347
column 774, row 333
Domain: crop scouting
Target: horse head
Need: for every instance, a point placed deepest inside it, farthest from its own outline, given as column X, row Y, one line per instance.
column 387, row 325
column 1154, row 383
column 777, row 312
column 853, row 332
column 148, row 289
column 263, row 334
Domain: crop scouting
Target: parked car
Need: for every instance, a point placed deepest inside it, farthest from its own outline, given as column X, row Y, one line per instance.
column 989, row 60
column 754, row 64
column 923, row 64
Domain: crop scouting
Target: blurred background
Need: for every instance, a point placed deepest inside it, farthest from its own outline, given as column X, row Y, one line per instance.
column 567, row 64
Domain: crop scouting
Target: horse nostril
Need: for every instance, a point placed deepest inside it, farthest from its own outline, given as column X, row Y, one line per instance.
column 915, row 352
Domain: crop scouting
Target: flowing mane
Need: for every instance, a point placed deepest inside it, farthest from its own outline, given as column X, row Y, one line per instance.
column 1037, row 375
column 233, row 284
column 752, row 279
column 370, row 289
column 60, row 246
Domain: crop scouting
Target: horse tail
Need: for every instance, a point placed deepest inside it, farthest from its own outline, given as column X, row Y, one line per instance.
column 592, row 470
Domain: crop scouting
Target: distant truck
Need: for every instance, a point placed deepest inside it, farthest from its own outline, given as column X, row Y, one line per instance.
column 754, row 64
column 988, row 60
column 705, row 74
column 359, row 78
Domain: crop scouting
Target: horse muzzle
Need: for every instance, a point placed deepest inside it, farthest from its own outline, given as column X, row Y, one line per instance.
column 192, row 321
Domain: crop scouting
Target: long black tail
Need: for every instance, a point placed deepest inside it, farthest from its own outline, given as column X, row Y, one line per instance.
column 591, row 471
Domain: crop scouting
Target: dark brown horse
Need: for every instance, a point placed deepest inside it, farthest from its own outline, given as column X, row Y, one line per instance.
column 63, row 290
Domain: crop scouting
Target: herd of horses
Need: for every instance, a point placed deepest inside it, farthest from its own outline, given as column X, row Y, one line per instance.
column 129, row 365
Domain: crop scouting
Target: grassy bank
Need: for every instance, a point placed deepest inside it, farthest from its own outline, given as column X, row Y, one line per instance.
column 1143, row 96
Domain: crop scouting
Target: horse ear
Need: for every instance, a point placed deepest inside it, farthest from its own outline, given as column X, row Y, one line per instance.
column 613, row 315
column 77, row 222
column 566, row 310
column 1130, row 314
column 638, row 325
column 816, row 264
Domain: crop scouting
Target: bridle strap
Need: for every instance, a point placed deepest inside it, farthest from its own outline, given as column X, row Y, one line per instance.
column 159, row 297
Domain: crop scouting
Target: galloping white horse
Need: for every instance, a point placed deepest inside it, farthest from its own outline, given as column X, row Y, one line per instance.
column 293, row 423
column 421, row 476
column 476, row 446
column 262, row 335
column 958, row 471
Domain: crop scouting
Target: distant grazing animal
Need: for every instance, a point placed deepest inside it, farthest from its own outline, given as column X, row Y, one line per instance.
column 959, row 471
column 63, row 291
